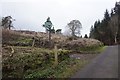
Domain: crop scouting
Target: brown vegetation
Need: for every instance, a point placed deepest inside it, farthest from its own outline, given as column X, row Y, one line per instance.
column 21, row 38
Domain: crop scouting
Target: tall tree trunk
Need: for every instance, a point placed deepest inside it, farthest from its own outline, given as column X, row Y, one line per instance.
column 49, row 36
column 115, row 39
column 9, row 27
column 73, row 33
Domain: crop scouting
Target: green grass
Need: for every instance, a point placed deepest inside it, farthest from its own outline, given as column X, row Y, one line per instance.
column 37, row 65
column 63, row 70
column 24, row 40
column 31, row 62
column 29, row 59
column 93, row 49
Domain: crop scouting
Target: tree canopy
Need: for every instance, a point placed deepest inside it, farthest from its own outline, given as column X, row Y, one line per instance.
column 74, row 26
column 108, row 29
column 85, row 36
column 7, row 22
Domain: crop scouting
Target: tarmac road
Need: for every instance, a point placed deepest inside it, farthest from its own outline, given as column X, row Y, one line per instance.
column 105, row 65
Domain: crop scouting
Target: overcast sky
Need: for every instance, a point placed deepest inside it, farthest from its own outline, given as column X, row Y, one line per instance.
column 31, row 14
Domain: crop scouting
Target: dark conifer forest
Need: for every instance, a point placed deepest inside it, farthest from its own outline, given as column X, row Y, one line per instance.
column 107, row 30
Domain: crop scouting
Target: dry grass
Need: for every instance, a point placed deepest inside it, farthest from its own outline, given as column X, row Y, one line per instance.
column 13, row 36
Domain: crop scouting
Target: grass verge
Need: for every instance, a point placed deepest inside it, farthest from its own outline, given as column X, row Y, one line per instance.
column 92, row 49
column 33, row 63
column 63, row 70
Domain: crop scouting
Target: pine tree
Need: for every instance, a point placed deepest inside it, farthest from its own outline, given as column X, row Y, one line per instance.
column 106, row 29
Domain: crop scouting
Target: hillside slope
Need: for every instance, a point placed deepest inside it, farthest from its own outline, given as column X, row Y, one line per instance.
column 25, row 38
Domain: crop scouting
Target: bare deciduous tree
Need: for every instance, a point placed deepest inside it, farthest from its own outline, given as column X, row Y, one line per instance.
column 74, row 26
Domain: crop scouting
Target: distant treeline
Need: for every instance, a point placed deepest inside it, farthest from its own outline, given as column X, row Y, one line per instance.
column 108, row 29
